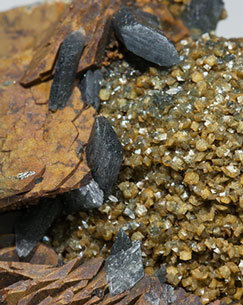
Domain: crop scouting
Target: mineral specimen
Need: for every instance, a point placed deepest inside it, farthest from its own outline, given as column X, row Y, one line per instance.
column 31, row 227
column 180, row 186
column 144, row 39
column 87, row 197
column 95, row 19
column 104, row 154
column 194, row 226
column 124, row 268
column 90, row 86
column 66, row 69
column 79, row 283
column 203, row 14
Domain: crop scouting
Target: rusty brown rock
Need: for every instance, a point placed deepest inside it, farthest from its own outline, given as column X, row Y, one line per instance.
column 76, row 283
column 39, row 148
column 33, row 283
column 22, row 25
column 42, row 255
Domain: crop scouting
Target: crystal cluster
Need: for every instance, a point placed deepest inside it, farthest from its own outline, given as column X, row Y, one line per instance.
column 180, row 191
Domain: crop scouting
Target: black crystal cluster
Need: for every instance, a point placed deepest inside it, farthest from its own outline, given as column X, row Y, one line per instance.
column 140, row 34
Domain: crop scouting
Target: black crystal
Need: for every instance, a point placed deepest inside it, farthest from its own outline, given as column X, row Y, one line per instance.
column 149, row 18
column 66, row 68
column 104, row 154
column 32, row 225
column 90, row 86
column 143, row 38
column 87, row 197
column 122, row 242
column 124, row 268
column 203, row 14
column 161, row 274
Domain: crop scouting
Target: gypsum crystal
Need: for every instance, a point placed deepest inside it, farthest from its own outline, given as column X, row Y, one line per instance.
column 143, row 38
column 124, row 268
column 66, row 68
column 87, row 197
column 104, row 154
column 32, row 226
column 90, row 86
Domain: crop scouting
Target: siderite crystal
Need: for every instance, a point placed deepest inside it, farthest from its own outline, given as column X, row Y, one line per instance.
column 180, row 187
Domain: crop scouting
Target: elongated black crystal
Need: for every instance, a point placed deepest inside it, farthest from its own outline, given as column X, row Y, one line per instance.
column 90, row 86
column 203, row 14
column 124, row 267
column 66, row 68
column 143, row 38
column 87, row 197
column 31, row 226
column 104, row 154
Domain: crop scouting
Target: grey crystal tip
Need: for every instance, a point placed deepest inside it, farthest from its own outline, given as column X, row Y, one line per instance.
column 143, row 38
column 104, row 155
column 66, row 67
column 124, row 267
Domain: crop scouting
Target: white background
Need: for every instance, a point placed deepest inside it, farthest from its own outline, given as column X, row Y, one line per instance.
column 231, row 27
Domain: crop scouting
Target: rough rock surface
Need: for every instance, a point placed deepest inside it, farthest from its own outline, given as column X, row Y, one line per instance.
column 80, row 283
column 48, row 160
